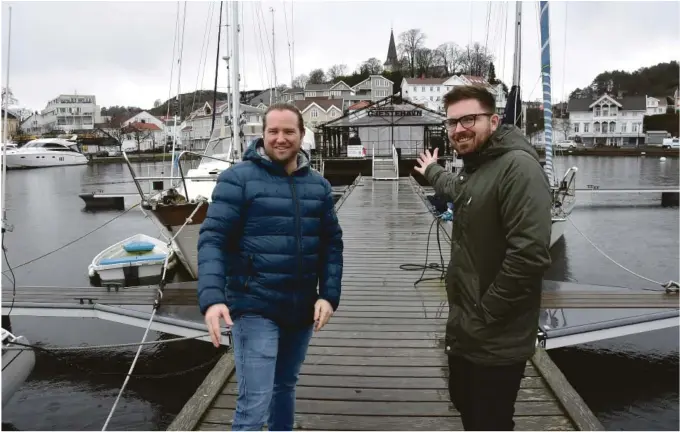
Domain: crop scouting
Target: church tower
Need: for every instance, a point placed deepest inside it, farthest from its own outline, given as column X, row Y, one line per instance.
column 392, row 62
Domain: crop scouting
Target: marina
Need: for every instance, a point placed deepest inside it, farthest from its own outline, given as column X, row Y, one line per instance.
column 400, row 195
column 101, row 328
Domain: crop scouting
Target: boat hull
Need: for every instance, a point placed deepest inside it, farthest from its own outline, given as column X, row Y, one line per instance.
column 17, row 365
column 115, row 265
column 557, row 230
column 18, row 160
column 174, row 219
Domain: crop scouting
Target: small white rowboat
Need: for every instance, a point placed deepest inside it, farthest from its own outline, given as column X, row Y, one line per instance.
column 127, row 262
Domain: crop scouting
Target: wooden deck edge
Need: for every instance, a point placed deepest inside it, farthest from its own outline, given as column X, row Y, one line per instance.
column 577, row 410
column 196, row 407
column 347, row 192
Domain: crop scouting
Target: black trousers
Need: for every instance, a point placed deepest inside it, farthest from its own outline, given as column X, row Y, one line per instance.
column 484, row 395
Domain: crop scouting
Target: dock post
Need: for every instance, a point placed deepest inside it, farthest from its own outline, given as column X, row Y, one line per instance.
column 670, row 199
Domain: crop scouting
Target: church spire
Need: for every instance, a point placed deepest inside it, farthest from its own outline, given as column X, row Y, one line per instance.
column 392, row 60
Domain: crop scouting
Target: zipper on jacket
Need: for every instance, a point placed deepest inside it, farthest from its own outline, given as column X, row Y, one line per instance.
column 298, row 232
column 250, row 270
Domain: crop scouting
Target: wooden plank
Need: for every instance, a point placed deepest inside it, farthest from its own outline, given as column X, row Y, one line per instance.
column 316, row 365
column 190, row 415
column 409, row 383
column 574, row 405
column 379, row 335
column 376, row 343
column 393, row 395
column 375, row 352
column 406, row 409
column 388, row 361
column 388, row 321
column 223, row 418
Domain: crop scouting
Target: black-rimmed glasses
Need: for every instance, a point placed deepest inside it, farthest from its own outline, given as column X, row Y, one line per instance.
column 466, row 121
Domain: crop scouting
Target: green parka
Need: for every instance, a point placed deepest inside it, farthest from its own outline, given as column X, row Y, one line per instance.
column 499, row 249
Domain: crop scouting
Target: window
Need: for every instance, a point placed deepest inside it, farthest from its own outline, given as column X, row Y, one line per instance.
column 586, row 126
column 333, row 113
column 597, row 127
column 575, row 127
column 597, row 111
column 605, row 111
column 635, row 127
column 604, row 127
column 314, row 113
column 431, row 88
column 623, row 127
column 438, row 88
column 415, row 89
column 422, row 88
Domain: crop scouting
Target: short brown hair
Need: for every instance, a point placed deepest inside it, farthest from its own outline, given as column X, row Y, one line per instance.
column 476, row 92
column 284, row 107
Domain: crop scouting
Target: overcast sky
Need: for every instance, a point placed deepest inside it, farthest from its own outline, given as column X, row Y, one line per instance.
column 122, row 52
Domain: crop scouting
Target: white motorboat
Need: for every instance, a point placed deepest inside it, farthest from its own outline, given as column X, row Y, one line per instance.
column 17, row 364
column 137, row 258
column 45, row 152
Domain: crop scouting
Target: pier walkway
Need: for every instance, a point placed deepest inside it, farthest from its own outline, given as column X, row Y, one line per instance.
column 380, row 364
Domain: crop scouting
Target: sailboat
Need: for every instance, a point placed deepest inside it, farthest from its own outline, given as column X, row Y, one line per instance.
column 182, row 208
column 564, row 190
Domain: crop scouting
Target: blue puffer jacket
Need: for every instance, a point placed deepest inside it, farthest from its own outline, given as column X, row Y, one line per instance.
column 268, row 239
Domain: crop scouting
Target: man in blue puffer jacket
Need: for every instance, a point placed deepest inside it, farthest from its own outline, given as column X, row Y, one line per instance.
column 271, row 235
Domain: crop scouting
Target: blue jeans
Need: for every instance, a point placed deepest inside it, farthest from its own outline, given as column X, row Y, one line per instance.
column 268, row 360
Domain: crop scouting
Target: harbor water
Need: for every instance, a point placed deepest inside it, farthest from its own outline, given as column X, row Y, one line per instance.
column 631, row 383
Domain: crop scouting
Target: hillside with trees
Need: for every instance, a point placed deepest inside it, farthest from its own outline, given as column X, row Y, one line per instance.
column 657, row 80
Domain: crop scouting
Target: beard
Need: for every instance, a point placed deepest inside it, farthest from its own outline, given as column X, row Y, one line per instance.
column 466, row 142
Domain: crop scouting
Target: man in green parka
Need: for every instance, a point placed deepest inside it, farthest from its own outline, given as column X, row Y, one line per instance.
column 499, row 250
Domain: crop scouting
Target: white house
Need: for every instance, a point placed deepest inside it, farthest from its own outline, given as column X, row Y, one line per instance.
column 144, row 117
column 430, row 91
column 67, row 112
column 424, row 91
column 656, row 106
column 608, row 121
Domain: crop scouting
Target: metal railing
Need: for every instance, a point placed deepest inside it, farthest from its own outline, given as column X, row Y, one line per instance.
column 395, row 161
column 373, row 162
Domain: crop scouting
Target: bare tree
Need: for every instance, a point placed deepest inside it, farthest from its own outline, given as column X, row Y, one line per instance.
column 450, row 57
column 562, row 126
column 372, row 66
column 157, row 103
column 425, row 61
column 336, row 71
column 317, row 76
column 410, row 42
column 139, row 135
column 8, row 96
column 300, row 81
column 476, row 60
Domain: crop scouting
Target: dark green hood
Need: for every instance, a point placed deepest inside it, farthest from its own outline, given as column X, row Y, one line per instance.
column 505, row 139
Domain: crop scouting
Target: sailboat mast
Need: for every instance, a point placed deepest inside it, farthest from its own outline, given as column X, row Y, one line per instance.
column 547, row 88
column 517, row 59
column 235, row 75
column 273, row 53
column 5, row 132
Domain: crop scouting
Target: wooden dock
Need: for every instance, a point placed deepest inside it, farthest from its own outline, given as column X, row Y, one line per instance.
column 380, row 364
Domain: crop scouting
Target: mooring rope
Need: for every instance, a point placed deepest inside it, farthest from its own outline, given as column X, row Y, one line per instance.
column 670, row 286
column 156, row 305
